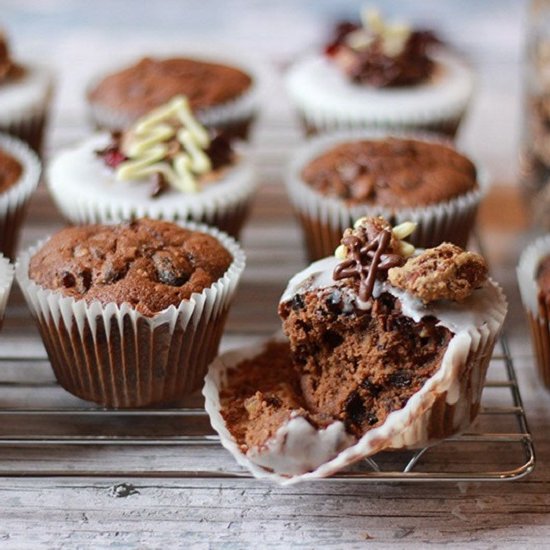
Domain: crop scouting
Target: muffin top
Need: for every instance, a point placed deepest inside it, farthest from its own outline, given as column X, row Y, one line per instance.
column 391, row 172
column 10, row 170
column 152, row 82
column 148, row 264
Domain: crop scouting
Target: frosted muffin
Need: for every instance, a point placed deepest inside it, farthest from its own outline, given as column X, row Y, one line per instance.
column 222, row 96
column 333, row 180
column 386, row 348
column 19, row 176
column 380, row 75
column 165, row 166
column 131, row 314
column 25, row 97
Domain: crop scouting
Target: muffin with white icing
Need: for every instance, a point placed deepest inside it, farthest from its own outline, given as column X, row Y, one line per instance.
column 25, row 96
column 165, row 166
column 381, row 75
column 385, row 348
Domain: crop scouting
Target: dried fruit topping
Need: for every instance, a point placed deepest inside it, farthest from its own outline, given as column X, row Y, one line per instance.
column 112, row 155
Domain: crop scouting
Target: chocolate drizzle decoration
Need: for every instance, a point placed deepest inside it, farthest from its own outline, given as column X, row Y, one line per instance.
column 366, row 260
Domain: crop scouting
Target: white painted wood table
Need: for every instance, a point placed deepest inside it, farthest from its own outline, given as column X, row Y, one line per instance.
column 161, row 512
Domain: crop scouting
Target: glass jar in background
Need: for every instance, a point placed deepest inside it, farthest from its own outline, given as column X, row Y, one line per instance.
column 535, row 161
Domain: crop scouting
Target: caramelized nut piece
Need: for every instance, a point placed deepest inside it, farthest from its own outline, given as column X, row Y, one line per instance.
column 443, row 273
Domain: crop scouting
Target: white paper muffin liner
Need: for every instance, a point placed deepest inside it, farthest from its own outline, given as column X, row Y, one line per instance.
column 85, row 191
column 446, row 404
column 120, row 358
column 6, row 279
column 24, row 105
column 537, row 310
column 325, row 218
column 13, row 202
column 236, row 112
column 327, row 101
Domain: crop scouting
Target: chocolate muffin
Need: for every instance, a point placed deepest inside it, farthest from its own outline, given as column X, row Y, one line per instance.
column 214, row 91
column 166, row 165
column 19, row 176
column 334, row 180
column 131, row 314
column 386, row 348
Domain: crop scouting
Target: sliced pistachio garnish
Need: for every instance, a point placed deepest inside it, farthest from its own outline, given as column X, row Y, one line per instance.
column 167, row 141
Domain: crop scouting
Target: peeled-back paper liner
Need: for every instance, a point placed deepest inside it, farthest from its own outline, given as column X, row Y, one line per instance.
column 86, row 192
column 6, row 279
column 538, row 312
column 198, row 320
column 327, row 100
column 236, row 111
column 446, row 404
column 13, row 202
column 450, row 220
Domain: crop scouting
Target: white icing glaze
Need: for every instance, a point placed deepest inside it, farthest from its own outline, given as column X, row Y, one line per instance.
column 29, row 93
column 298, row 446
column 79, row 178
column 319, row 87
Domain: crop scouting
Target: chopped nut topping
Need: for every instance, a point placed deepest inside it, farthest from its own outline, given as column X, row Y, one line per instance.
column 443, row 273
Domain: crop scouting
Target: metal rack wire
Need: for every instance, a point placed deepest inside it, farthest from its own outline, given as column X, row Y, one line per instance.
column 502, row 426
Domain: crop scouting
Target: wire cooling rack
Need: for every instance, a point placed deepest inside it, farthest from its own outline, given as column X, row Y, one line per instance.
column 63, row 436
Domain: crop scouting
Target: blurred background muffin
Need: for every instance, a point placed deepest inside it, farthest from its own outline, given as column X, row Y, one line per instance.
column 380, row 74
column 166, row 165
column 25, row 95
column 222, row 94
column 335, row 179
column 131, row 314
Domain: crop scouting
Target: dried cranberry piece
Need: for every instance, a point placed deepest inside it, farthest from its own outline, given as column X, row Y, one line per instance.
column 341, row 30
column 220, row 152
column 112, row 155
